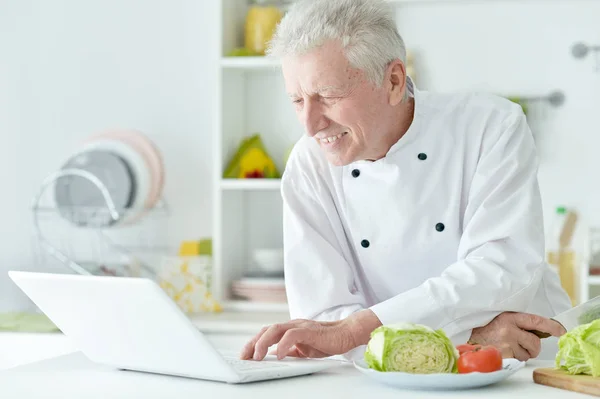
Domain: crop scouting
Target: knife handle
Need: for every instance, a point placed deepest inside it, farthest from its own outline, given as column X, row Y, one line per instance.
column 539, row 333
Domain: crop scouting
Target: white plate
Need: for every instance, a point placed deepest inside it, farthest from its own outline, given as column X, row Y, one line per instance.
column 152, row 157
column 440, row 381
column 262, row 282
column 138, row 166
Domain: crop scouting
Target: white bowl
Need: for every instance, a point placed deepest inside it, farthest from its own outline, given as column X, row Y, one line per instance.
column 269, row 260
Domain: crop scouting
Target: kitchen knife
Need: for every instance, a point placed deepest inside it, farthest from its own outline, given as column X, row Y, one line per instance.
column 581, row 314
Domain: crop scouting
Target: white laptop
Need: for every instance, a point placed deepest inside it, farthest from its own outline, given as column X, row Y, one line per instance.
column 132, row 324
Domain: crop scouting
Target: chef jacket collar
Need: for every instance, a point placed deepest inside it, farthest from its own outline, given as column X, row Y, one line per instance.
column 412, row 129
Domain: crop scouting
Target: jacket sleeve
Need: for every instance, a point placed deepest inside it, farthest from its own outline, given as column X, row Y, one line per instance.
column 320, row 281
column 500, row 258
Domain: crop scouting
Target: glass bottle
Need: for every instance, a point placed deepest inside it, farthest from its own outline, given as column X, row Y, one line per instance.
column 561, row 253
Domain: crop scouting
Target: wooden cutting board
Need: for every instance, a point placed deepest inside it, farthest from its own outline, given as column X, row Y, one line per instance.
column 560, row 379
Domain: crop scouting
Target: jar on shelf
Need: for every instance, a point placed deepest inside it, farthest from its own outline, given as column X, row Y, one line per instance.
column 261, row 21
column 410, row 66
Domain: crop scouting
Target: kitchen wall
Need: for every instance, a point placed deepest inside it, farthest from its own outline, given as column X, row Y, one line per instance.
column 69, row 68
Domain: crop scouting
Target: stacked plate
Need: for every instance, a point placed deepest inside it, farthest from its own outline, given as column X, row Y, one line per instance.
column 260, row 289
column 122, row 167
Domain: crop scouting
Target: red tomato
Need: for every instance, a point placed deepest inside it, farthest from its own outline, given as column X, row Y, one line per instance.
column 466, row 348
column 483, row 359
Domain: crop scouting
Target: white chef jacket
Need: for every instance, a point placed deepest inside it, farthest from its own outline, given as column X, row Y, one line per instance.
column 446, row 230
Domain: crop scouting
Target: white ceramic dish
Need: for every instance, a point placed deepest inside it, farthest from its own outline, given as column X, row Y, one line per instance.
column 269, row 260
column 255, row 282
column 440, row 381
column 149, row 152
column 138, row 166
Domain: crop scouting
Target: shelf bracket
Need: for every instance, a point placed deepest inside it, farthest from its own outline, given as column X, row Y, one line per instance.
column 581, row 50
column 555, row 98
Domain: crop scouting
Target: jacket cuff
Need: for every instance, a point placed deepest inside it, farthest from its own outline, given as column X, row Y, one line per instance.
column 413, row 306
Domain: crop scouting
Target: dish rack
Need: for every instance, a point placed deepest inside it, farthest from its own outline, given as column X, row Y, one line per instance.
column 96, row 240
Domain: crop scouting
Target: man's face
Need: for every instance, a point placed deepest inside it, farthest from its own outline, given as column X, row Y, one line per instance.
column 343, row 111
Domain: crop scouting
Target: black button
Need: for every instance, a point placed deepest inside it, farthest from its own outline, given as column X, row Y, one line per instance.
column 440, row 227
column 365, row 243
column 422, row 156
column 356, row 173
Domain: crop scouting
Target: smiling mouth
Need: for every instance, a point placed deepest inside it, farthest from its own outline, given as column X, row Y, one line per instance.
column 331, row 139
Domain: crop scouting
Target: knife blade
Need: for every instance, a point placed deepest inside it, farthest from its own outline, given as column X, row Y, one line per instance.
column 581, row 314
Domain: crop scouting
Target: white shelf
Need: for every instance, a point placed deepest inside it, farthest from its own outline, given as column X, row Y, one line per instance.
column 248, row 306
column 594, row 280
column 431, row 1
column 398, row 2
column 249, row 63
column 250, row 184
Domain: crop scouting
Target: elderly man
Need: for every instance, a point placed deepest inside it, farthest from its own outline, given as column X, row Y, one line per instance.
column 402, row 205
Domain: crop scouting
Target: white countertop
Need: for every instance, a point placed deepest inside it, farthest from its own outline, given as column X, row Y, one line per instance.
column 73, row 376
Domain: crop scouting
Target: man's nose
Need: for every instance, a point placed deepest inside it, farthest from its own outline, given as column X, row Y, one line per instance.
column 313, row 118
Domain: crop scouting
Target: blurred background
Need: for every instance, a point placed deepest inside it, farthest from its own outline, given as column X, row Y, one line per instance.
column 148, row 137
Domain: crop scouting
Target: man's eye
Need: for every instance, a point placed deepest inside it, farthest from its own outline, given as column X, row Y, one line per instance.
column 297, row 101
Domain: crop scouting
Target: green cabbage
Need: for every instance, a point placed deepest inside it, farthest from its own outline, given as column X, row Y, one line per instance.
column 411, row 348
column 579, row 350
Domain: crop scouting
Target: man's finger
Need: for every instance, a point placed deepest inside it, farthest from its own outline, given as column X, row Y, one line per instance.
column 506, row 351
column 530, row 342
column 514, row 350
column 269, row 338
column 527, row 321
column 291, row 338
column 248, row 349
column 520, row 353
column 308, row 351
column 294, row 352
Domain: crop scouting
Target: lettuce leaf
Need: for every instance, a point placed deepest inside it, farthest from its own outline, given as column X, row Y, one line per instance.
column 579, row 350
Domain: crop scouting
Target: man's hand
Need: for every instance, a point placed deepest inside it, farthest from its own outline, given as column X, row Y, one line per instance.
column 509, row 333
column 308, row 338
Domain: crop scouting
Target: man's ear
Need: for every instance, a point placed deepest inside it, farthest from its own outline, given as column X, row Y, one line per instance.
column 396, row 81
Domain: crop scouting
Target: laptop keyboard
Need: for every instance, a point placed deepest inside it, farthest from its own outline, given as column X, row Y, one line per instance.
column 245, row 365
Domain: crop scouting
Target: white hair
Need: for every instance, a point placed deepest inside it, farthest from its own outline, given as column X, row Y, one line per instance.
column 366, row 29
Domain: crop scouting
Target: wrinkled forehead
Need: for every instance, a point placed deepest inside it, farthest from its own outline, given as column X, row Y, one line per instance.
column 319, row 71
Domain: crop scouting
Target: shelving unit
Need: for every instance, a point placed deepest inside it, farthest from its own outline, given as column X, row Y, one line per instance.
column 250, row 98
column 248, row 63
column 594, row 280
column 242, row 306
column 250, row 184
